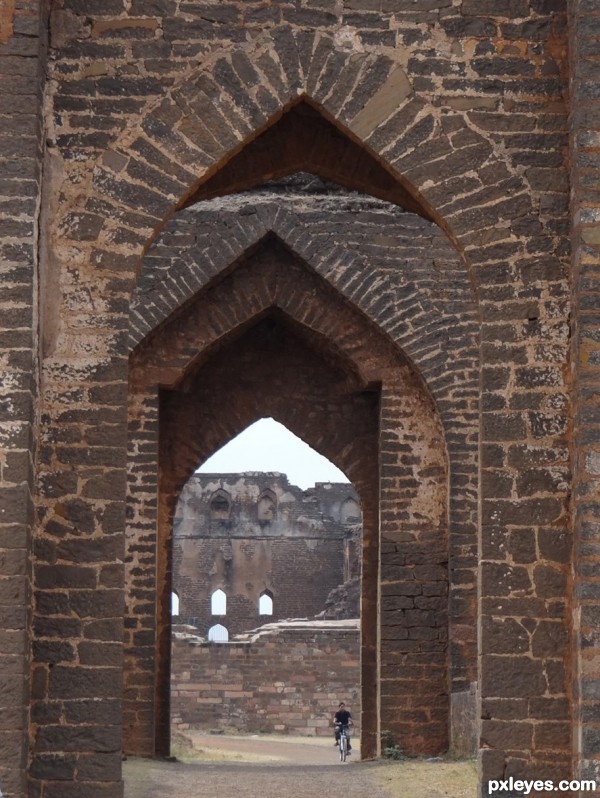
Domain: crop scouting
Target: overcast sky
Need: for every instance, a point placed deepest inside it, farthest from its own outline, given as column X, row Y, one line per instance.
column 269, row 446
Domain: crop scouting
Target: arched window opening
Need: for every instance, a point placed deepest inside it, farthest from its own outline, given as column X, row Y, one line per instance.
column 267, row 507
column 218, row 634
column 218, row 603
column 265, row 603
column 174, row 604
column 350, row 512
column 220, row 505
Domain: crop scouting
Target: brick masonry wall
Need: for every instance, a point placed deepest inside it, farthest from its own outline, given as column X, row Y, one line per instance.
column 300, row 573
column 464, row 105
column 283, row 679
column 22, row 58
column 585, row 144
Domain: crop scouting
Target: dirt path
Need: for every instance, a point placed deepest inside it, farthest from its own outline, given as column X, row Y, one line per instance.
column 272, row 767
column 245, row 780
column 259, row 748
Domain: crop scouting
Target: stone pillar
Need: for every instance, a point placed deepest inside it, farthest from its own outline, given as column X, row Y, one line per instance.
column 585, row 214
column 139, row 737
column 21, row 52
column 413, row 645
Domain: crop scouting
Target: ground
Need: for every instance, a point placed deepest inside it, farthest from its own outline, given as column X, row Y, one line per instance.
column 267, row 766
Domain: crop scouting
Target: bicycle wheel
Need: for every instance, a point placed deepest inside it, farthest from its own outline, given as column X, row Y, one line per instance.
column 343, row 747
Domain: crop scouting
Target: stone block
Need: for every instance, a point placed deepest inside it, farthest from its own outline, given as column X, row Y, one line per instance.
column 83, row 682
column 505, row 636
column 54, row 767
column 549, row 581
column 512, row 677
column 384, row 102
column 507, row 734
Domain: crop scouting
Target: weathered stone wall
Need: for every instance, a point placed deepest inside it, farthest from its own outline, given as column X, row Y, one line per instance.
column 22, row 63
column 265, row 535
column 285, row 678
column 432, row 318
column 585, row 369
column 456, row 110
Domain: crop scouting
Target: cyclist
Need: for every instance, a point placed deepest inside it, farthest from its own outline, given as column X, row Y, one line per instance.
column 342, row 718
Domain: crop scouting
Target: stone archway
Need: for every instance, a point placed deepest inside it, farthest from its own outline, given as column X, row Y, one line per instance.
column 182, row 140
column 196, row 131
column 429, row 322
column 325, row 408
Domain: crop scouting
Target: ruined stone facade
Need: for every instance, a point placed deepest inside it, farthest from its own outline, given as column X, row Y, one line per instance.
column 238, row 664
column 254, row 535
column 434, row 331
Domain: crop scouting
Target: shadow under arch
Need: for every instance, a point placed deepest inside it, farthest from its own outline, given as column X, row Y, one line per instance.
column 303, row 137
column 365, row 419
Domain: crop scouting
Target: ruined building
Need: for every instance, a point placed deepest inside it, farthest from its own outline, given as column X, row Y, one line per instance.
column 375, row 221
column 250, row 548
column 274, row 571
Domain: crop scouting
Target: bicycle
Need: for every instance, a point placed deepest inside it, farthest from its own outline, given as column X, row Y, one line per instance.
column 344, row 734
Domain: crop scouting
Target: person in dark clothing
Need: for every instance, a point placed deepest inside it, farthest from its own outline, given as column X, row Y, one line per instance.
column 342, row 718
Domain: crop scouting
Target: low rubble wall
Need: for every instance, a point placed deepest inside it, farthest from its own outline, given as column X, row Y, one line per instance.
column 285, row 678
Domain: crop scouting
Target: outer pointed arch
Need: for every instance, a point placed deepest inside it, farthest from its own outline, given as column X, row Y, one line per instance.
column 213, row 113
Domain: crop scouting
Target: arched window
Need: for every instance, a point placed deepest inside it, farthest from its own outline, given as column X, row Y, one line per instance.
column 218, row 603
column 220, row 505
column 267, row 506
column 350, row 512
column 218, row 634
column 174, row 604
column 265, row 603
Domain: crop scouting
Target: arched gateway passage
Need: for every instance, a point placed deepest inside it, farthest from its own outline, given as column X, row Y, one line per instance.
column 187, row 138
column 114, row 207
column 288, row 347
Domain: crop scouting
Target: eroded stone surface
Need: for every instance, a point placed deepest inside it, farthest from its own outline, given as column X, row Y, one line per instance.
column 140, row 102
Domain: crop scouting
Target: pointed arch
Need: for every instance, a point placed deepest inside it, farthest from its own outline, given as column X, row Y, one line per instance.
column 184, row 138
column 468, row 189
column 422, row 335
column 138, row 183
column 266, row 506
column 203, row 262
column 265, row 603
column 320, row 367
column 220, row 505
column 218, row 634
column 350, row 511
column 218, row 602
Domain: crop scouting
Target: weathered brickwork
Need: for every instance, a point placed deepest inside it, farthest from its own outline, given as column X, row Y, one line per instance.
column 22, row 46
column 282, row 678
column 160, row 281
column 252, row 534
column 585, row 368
